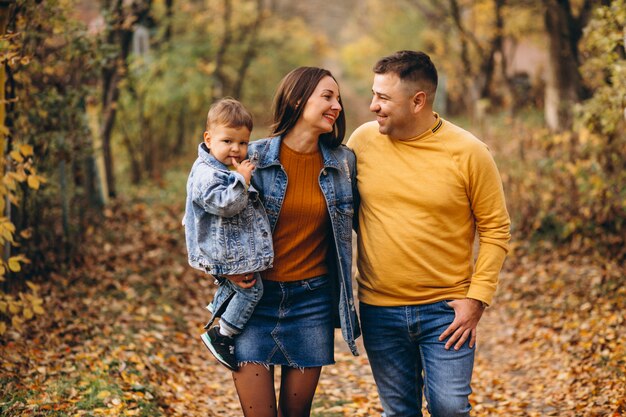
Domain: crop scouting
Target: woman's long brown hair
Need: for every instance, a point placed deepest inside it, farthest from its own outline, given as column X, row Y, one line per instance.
column 296, row 88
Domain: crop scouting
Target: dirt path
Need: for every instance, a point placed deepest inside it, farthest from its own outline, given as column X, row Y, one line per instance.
column 120, row 337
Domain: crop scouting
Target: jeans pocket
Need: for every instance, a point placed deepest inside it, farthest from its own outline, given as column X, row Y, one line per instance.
column 314, row 284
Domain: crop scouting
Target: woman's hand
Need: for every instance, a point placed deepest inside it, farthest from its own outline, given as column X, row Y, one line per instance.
column 242, row 280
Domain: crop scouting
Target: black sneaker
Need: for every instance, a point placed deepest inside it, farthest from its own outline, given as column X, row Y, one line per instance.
column 222, row 347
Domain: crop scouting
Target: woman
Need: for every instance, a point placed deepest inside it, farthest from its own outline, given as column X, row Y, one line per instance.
column 307, row 182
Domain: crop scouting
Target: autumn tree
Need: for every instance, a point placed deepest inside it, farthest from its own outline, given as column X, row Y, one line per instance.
column 234, row 47
column 474, row 38
column 564, row 23
column 47, row 62
column 122, row 18
column 600, row 168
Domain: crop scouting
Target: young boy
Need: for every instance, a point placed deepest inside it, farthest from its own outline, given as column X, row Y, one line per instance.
column 226, row 228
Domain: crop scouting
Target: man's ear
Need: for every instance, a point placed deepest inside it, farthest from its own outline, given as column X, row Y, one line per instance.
column 207, row 139
column 419, row 101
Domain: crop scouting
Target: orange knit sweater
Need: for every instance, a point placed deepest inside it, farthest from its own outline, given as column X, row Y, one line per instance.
column 302, row 232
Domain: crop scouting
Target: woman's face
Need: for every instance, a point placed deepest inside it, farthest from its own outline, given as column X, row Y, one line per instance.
column 322, row 108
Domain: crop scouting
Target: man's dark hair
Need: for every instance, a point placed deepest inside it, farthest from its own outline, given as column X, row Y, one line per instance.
column 412, row 66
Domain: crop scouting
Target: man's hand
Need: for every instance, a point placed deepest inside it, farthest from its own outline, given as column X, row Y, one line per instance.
column 242, row 280
column 467, row 313
column 245, row 168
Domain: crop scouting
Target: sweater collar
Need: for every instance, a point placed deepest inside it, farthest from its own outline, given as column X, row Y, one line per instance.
column 430, row 131
column 271, row 153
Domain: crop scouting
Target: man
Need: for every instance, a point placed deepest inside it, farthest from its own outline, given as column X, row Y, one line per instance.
column 426, row 187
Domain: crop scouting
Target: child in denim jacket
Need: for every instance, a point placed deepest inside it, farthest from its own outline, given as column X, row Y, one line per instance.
column 226, row 228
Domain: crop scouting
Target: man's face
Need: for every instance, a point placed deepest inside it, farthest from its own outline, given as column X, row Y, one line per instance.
column 392, row 103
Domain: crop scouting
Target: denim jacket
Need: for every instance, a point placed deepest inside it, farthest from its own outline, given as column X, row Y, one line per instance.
column 338, row 184
column 226, row 228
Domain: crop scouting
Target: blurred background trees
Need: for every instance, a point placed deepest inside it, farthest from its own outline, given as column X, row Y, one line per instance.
column 98, row 97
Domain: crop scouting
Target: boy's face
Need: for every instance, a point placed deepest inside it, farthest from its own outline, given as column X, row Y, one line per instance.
column 228, row 143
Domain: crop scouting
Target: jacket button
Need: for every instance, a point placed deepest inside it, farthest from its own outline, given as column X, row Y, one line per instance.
column 264, row 234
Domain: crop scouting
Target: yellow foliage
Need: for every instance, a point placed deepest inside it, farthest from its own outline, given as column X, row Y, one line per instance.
column 14, row 264
column 33, row 182
column 103, row 394
column 18, row 175
column 16, row 156
column 38, row 309
column 26, row 150
column 12, row 311
column 17, row 322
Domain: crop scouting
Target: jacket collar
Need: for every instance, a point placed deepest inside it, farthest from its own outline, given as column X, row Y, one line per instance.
column 205, row 155
column 271, row 153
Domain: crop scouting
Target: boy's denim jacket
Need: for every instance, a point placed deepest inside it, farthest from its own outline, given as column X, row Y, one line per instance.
column 226, row 228
column 338, row 183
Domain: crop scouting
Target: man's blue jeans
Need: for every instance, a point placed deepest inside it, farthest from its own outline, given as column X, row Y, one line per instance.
column 406, row 357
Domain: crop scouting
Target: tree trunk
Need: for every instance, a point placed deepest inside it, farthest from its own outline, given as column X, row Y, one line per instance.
column 6, row 7
column 169, row 14
column 489, row 62
column 179, row 143
column 220, row 79
column 135, row 163
column 111, row 76
column 471, row 98
column 564, row 85
column 251, row 50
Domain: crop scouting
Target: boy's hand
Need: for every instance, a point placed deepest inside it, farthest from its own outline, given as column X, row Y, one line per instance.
column 242, row 280
column 245, row 168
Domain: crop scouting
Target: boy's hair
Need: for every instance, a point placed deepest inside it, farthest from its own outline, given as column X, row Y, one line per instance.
column 230, row 113
column 412, row 66
column 291, row 96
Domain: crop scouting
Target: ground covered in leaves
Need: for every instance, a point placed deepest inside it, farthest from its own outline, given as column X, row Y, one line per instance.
column 120, row 336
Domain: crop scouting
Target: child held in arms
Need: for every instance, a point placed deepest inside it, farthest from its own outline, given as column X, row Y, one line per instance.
column 226, row 228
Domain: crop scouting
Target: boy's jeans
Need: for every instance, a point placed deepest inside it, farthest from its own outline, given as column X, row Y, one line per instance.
column 406, row 356
column 241, row 306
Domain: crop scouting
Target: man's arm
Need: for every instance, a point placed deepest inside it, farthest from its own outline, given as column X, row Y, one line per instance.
column 492, row 224
column 486, row 197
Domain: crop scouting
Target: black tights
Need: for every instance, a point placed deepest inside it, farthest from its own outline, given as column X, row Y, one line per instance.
column 255, row 387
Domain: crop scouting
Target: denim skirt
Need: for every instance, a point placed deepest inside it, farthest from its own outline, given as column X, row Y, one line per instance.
column 292, row 325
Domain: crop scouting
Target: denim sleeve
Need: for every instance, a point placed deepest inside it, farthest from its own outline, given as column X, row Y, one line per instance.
column 356, row 198
column 224, row 197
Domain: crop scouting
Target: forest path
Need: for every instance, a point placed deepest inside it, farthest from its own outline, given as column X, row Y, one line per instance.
column 120, row 336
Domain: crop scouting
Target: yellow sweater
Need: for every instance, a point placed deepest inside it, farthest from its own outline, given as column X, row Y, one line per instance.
column 422, row 201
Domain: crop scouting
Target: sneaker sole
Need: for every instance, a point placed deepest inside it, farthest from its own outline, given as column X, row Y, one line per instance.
column 207, row 342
